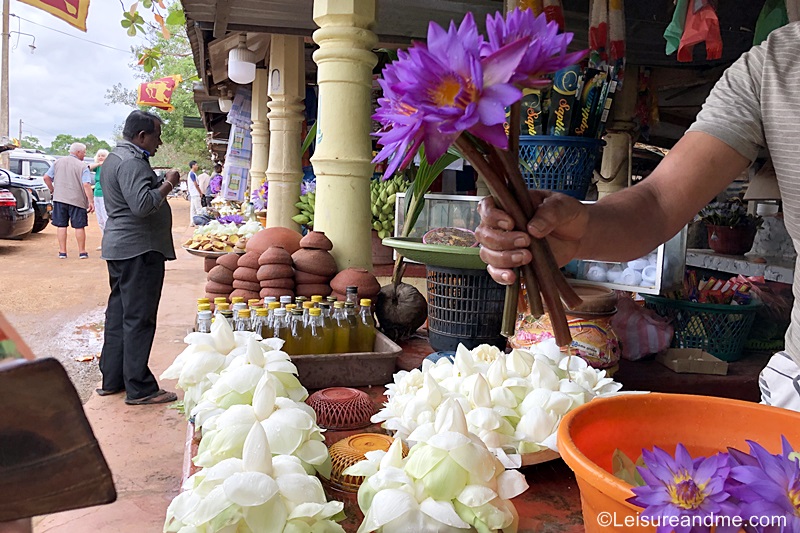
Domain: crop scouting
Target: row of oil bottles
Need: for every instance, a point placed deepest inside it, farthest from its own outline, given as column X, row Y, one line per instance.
column 315, row 326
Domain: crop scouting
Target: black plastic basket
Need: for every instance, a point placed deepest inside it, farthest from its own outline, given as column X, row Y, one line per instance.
column 464, row 307
column 560, row 164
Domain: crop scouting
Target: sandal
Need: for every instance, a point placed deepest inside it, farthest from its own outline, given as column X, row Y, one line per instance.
column 84, row 255
column 62, row 255
column 160, row 396
column 103, row 392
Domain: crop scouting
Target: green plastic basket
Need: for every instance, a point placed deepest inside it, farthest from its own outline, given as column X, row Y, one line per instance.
column 720, row 330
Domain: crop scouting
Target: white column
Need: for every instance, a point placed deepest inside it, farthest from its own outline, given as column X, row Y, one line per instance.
column 342, row 157
column 259, row 131
column 286, row 92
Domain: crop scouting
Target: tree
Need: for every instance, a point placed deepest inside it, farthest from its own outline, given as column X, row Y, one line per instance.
column 62, row 142
column 29, row 141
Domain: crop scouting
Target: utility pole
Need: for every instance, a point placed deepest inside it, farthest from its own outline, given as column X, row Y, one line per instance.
column 6, row 41
column 20, row 131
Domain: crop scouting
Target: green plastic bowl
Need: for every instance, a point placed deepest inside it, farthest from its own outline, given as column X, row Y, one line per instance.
column 437, row 255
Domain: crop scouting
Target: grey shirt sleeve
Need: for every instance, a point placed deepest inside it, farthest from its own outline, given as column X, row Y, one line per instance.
column 136, row 184
column 732, row 112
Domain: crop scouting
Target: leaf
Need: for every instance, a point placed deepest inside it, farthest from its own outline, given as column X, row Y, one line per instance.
column 148, row 4
column 125, row 23
column 133, row 8
column 625, row 469
column 132, row 33
column 176, row 18
column 310, row 136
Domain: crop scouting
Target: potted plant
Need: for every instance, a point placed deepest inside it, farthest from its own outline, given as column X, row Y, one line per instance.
column 731, row 229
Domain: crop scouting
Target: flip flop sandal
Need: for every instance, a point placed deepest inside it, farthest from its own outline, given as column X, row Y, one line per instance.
column 103, row 392
column 161, row 396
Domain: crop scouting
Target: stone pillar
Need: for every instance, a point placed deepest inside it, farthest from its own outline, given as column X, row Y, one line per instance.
column 286, row 92
column 259, row 131
column 343, row 154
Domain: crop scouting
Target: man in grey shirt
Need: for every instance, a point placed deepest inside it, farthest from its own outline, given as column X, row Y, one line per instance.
column 136, row 243
column 755, row 105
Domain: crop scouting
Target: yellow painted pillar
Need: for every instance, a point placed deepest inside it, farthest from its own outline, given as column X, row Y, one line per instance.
column 343, row 153
column 286, row 92
column 259, row 131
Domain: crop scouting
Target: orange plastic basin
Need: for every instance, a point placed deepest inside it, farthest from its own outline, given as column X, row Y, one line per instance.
column 588, row 436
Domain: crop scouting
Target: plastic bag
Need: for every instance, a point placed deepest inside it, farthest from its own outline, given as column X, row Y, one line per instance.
column 701, row 25
column 641, row 331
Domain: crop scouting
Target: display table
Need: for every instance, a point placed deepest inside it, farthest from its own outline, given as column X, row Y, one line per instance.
column 773, row 269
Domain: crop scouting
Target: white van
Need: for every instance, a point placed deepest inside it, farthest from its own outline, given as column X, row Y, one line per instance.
column 31, row 166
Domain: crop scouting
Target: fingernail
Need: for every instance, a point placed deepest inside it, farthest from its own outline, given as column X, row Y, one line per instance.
column 506, row 225
column 517, row 257
column 536, row 225
column 506, row 276
column 521, row 242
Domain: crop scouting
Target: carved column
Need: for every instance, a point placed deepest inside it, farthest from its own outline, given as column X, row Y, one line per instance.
column 259, row 132
column 286, row 92
column 342, row 158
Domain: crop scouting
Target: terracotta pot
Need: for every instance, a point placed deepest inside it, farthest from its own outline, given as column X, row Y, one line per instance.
column 368, row 286
column 588, row 436
column 381, row 255
column 731, row 240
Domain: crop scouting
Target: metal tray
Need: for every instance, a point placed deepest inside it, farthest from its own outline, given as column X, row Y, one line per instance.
column 319, row 371
column 206, row 253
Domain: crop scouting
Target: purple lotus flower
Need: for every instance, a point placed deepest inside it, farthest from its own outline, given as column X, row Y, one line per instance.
column 261, row 197
column 546, row 53
column 307, row 186
column 682, row 494
column 768, row 487
column 235, row 219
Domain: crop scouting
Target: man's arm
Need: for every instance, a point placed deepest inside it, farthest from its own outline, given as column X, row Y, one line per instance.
column 193, row 179
column 48, row 178
column 135, row 182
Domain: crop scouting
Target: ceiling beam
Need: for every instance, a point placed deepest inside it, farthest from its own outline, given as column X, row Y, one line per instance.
column 222, row 11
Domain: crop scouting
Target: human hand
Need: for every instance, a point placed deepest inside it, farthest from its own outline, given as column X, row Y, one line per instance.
column 561, row 219
column 90, row 208
column 173, row 177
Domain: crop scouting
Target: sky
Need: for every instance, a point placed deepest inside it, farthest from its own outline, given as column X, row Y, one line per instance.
column 61, row 87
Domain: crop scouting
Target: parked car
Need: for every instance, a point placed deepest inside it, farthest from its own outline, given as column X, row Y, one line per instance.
column 27, row 167
column 17, row 213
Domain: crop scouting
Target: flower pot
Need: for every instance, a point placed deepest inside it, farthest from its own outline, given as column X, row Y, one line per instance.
column 588, row 436
column 381, row 255
column 731, row 240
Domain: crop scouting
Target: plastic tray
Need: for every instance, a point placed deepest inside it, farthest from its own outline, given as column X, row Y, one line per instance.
column 437, row 255
column 349, row 369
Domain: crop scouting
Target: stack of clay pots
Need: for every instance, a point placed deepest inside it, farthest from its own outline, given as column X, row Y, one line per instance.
column 275, row 273
column 209, row 263
column 245, row 279
column 368, row 286
column 220, row 278
column 314, row 265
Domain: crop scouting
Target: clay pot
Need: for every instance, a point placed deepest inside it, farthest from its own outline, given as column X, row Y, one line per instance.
column 249, row 260
column 312, row 290
column 220, row 274
column 229, row 261
column 209, row 263
column 316, row 240
column 275, row 255
column 213, row 286
column 246, row 274
column 306, row 278
column 731, row 240
column 276, row 293
column 283, row 283
column 247, row 295
column 368, row 286
column 381, row 254
column 267, row 272
column 246, row 285
column 264, row 239
column 317, row 262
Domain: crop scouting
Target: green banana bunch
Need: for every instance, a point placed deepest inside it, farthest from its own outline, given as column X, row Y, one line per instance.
column 306, row 207
column 382, row 199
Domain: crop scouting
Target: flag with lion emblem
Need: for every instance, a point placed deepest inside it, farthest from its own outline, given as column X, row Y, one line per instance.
column 157, row 93
column 73, row 12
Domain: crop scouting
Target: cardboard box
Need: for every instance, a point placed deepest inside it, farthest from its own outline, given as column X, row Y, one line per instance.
column 692, row 361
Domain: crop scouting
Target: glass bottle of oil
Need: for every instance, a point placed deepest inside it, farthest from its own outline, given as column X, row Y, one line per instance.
column 271, row 308
column 202, row 306
column 318, row 337
column 285, row 300
column 351, row 294
column 242, row 321
column 307, row 306
column 279, row 325
column 296, row 334
column 366, row 327
column 341, row 329
column 253, row 304
column 326, row 310
column 352, row 322
column 317, row 300
column 204, row 320
column 219, row 300
column 331, row 300
column 261, row 323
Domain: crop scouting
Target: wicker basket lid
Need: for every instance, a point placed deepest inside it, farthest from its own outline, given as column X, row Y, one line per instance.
column 351, row 450
column 342, row 408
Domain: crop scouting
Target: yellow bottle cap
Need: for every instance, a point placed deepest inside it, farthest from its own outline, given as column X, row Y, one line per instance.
column 253, row 301
column 262, row 312
column 316, row 299
column 220, row 300
column 224, row 306
column 308, row 305
column 338, row 305
column 315, row 311
column 366, row 302
column 204, row 307
column 331, row 298
column 237, row 300
column 274, row 305
column 244, row 313
column 290, row 306
column 203, row 301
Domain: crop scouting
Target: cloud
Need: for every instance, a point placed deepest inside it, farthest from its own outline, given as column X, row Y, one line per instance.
column 61, row 87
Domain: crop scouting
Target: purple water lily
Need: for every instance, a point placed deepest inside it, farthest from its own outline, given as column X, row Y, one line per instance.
column 307, row 186
column 683, row 494
column 260, row 198
column 768, row 487
column 546, row 53
column 227, row 219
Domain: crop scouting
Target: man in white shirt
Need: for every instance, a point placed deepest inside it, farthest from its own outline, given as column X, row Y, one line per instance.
column 195, row 193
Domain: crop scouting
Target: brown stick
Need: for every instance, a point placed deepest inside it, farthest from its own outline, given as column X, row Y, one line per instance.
column 499, row 190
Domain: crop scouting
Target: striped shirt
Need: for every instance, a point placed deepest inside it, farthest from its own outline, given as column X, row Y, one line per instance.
column 756, row 105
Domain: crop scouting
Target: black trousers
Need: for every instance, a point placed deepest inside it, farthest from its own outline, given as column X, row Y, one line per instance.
column 131, row 324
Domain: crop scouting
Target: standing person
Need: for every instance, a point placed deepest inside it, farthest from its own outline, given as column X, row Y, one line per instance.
column 99, row 206
column 718, row 147
column 70, row 183
column 136, row 243
column 195, row 194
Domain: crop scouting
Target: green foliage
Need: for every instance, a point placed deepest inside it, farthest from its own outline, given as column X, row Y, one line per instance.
column 62, row 142
column 29, row 141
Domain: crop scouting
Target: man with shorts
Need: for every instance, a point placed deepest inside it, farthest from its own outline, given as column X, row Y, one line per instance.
column 70, row 183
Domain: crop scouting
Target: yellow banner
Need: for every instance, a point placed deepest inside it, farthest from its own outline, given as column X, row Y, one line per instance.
column 73, row 12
